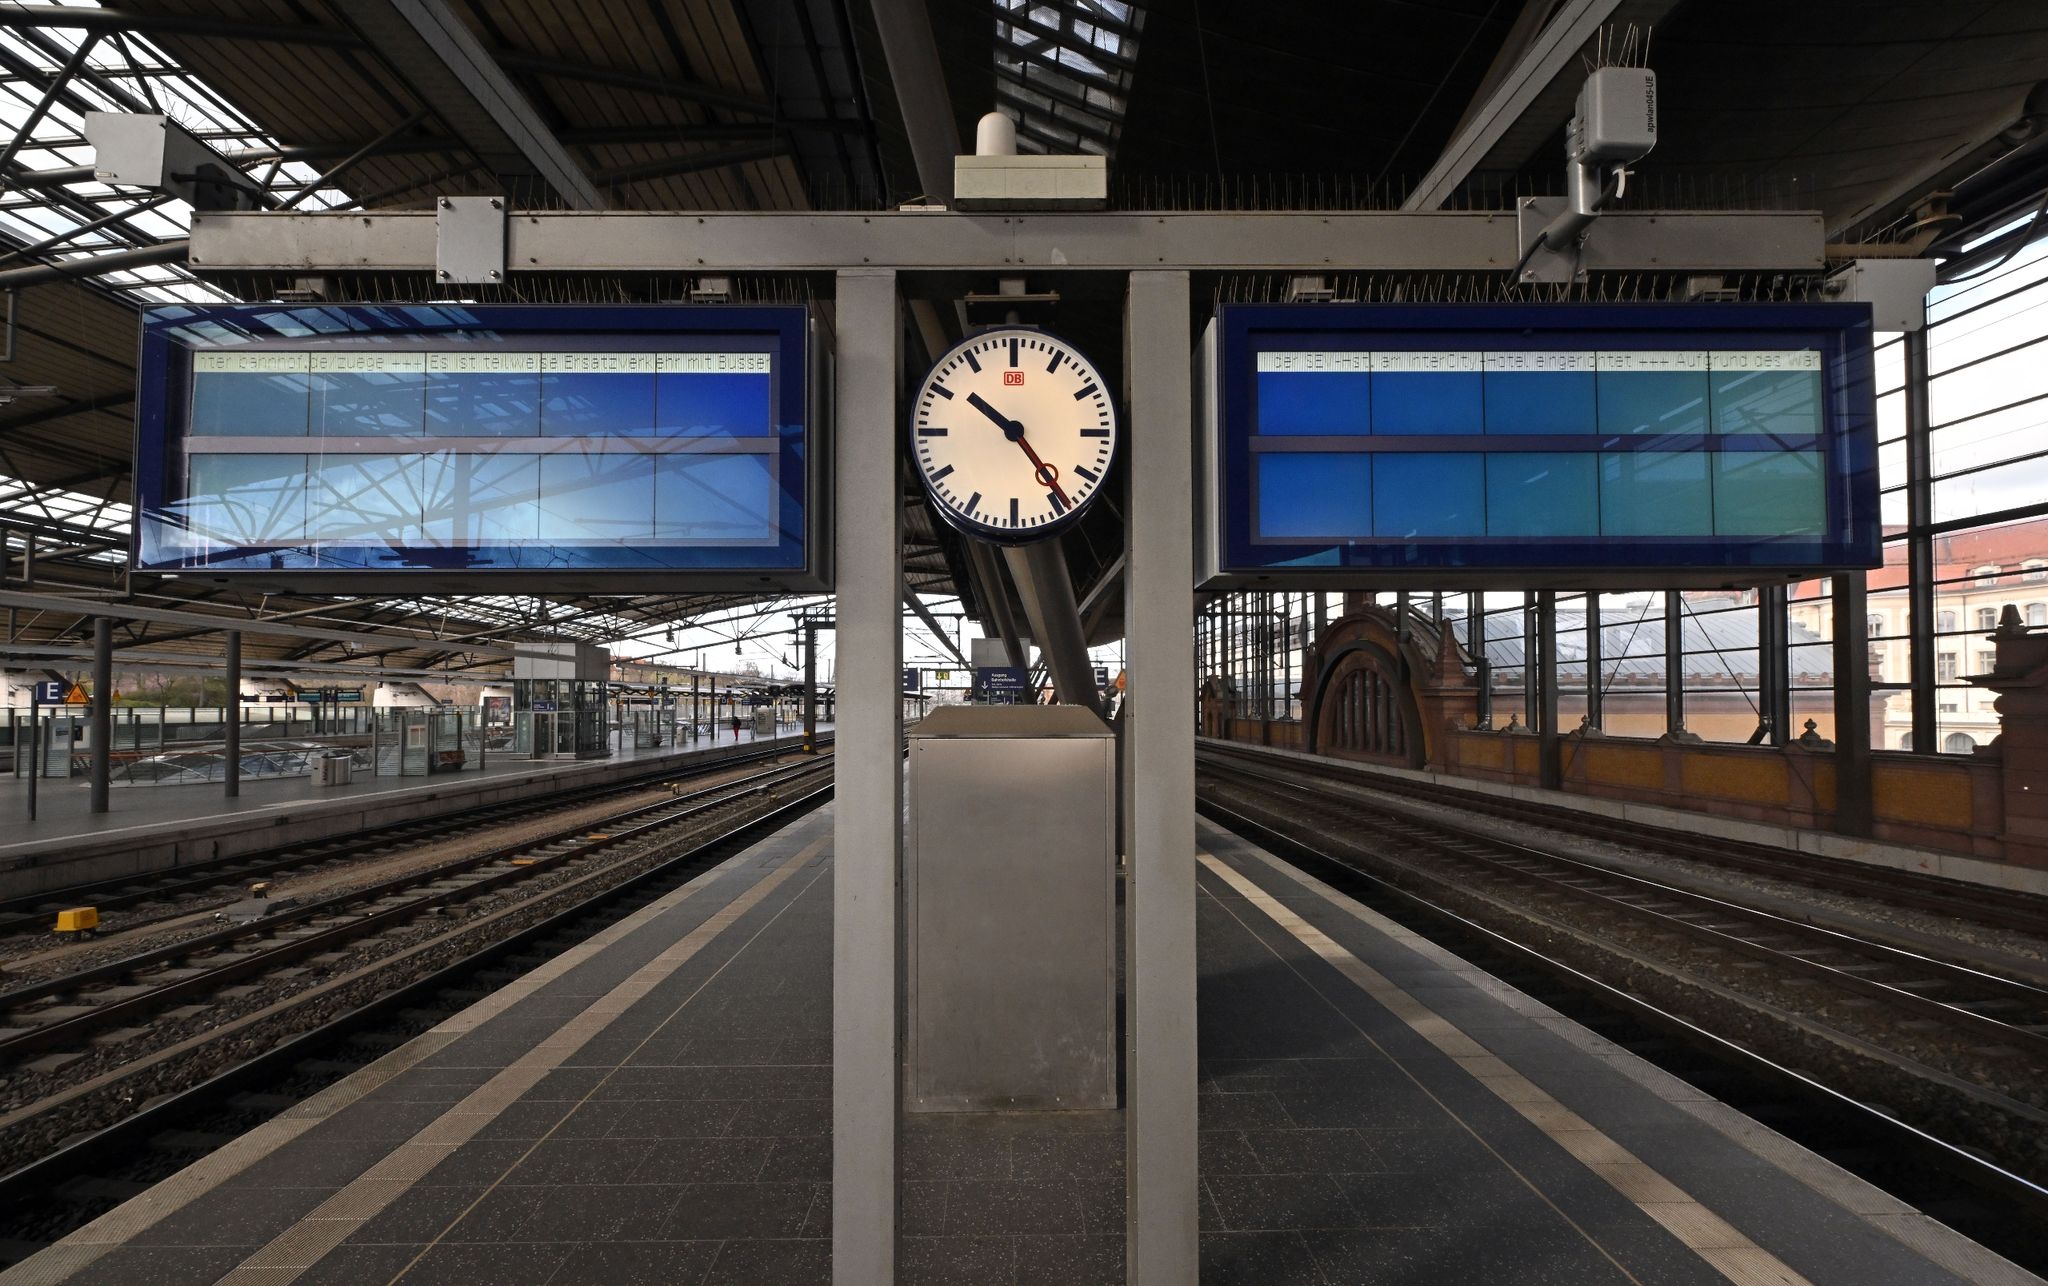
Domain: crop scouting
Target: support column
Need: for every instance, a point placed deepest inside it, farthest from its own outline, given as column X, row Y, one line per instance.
column 1920, row 616
column 1851, row 606
column 1475, row 642
column 1674, row 663
column 867, row 774
column 1159, row 790
column 102, row 710
column 1532, row 664
column 1595, row 642
column 1774, row 664
column 810, row 685
column 1550, row 767
column 232, row 708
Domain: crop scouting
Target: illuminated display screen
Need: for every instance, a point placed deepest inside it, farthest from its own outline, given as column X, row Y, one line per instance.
column 497, row 441
column 1597, row 438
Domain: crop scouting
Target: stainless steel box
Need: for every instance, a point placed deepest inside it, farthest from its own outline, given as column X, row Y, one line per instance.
column 1011, row 887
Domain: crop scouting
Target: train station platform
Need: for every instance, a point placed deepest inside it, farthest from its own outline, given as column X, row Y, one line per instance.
column 157, row 828
column 654, row 1106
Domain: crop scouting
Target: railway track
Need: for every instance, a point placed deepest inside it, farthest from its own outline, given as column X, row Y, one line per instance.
column 90, row 1170
column 1982, row 1005
column 2019, row 912
column 1947, row 1051
column 33, row 913
column 1941, row 1161
column 70, row 1010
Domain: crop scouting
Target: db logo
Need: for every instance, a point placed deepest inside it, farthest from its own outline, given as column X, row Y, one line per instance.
column 1013, row 377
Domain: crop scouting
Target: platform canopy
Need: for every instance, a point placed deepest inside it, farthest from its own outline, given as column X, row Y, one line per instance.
column 1862, row 112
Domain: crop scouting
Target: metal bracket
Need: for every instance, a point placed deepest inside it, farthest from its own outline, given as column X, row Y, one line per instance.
column 1543, row 264
column 469, row 239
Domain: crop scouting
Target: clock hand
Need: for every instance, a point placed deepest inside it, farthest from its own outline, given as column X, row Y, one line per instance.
column 1012, row 430
column 1046, row 473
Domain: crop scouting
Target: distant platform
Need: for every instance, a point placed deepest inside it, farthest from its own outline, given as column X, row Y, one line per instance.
column 655, row 1105
column 155, row 828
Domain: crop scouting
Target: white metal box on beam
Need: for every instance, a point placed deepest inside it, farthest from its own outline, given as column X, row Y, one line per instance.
column 150, row 150
column 1030, row 182
column 1895, row 289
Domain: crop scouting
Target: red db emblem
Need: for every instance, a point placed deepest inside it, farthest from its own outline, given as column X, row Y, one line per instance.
column 1013, row 377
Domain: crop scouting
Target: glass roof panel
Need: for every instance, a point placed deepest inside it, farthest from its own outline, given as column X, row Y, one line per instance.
column 1063, row 67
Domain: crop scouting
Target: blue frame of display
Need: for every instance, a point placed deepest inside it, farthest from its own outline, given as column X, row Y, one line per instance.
column 1458, row 441
column 481, row 446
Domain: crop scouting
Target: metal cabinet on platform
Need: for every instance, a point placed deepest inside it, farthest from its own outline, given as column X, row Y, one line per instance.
column 1010, row 885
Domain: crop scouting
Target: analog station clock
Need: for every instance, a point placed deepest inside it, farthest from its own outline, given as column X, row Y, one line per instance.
column 1013, row 433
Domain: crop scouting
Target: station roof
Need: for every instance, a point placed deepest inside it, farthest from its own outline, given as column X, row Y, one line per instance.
column 1861, row 109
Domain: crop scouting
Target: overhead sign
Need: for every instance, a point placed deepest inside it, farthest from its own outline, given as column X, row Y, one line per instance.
column 472, row 447
column 1608, row 444
column 50, row 692
column 993, row 680
column 913, row 679
column 1101, row 677
column 543, row 707
column 76, row 695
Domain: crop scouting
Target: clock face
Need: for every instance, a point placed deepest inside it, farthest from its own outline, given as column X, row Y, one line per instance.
column 1013, row 433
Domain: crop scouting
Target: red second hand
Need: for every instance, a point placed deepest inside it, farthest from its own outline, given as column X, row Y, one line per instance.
column 1042, row 469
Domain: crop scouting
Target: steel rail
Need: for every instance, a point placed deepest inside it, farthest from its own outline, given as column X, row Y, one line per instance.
column 570, row 844
column 1985, row 1175
column 2003, row 908
column 1431, row 835
column 32, row 910
column 41, row 1178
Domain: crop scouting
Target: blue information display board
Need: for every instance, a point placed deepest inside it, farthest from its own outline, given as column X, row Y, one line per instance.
column 1604, row 444
column 573, row 448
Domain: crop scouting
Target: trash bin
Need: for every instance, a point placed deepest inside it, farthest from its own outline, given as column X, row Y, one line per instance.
column 337, row 768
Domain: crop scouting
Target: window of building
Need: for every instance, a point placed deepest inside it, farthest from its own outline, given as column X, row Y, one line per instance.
column 1945, row 667
column 1987, row 574
column 1987, row 618
column 2034, row 570
column 2037, row 614
column 1958, row 743
column 1945, row 623
column 1987, row 662
column 1873, row 624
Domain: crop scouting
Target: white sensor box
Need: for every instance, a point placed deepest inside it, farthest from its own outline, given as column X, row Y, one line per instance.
column 1617, row 115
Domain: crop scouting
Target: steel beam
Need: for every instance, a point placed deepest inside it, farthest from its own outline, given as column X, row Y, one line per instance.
column 78, row 606
column 1526, row 103
column 1159, row 790
column 1550, row 765
column 1324, row 241
column 232, row 707
column 1921, row 622
column 94, row 265
column 931, row 623
column 102, row 711
column 1047, row 592
column 448, row 68
column 867, row 782
column 919, row 81
column 1851, row 603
